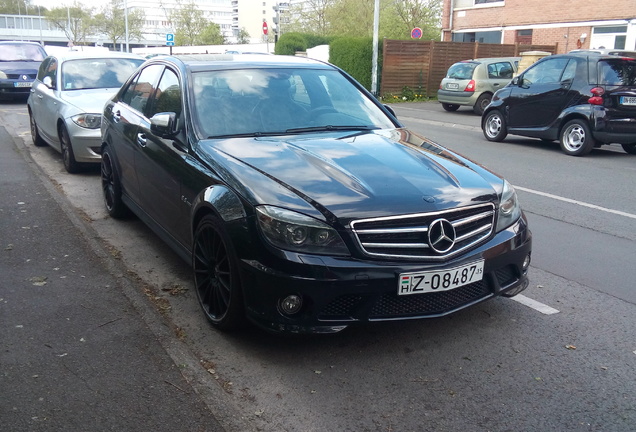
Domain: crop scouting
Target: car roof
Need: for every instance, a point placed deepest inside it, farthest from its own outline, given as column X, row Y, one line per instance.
column 199, row 62
column 73, row 55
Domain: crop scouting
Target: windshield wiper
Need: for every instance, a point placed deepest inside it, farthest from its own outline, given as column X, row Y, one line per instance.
column 330, row 128
column 246, row 135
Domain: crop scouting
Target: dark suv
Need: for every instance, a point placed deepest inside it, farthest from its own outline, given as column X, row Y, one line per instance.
column 584, row 100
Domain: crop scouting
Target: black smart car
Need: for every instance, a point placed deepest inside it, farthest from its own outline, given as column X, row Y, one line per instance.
column 300, row 201
column 582, row 99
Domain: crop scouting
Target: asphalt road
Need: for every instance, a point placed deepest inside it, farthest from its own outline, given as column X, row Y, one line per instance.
column 560, row 358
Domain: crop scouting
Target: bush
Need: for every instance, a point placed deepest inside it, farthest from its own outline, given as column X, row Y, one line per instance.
column 289, row 43
column 354, row 55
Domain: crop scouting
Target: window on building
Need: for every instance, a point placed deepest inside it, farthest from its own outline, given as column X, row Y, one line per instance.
column 488, row 1
column 524, row 37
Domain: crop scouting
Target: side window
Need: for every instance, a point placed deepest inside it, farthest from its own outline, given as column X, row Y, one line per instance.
column 570, row 70
column 42, row 69
column 142, row 87
column 546, row 72
column 51, row 71
column 167, row 98
column 501, row 70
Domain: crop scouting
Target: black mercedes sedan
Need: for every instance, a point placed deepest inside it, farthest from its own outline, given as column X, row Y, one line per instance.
column 301, row 203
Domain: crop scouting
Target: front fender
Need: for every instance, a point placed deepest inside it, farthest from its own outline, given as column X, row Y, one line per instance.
column 222, row 200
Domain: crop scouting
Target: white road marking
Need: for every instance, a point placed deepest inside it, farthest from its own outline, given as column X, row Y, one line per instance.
column 544, row 309
column 581, row 203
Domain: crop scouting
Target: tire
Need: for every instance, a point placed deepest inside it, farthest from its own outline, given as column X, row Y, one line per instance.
column 576, row 138
column 111, row 187
column 494, row 126
column 68, row 156
column 629, row 148
column 216, row 277
column 482, row 102
column 450, row 107
column 35, row 135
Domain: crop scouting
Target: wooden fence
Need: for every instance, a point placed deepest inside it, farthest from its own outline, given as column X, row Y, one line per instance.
column 421, row 65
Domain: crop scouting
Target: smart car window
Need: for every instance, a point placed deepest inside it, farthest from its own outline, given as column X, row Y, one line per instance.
column 139, row 91
column 546, row 72
column 619, row 72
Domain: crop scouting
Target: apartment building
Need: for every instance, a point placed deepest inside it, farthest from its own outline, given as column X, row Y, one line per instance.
column 567, row 23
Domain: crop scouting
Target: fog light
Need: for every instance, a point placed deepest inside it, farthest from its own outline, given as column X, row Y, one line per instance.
column 526, row 264
column 291, row 304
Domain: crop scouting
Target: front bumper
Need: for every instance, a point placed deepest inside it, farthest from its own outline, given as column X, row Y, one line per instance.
column 338, row 292
column 86, row 143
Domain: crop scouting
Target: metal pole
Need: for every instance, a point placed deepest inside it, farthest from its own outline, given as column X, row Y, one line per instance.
column 374, row 65
column 126, row 19
column 40, row 16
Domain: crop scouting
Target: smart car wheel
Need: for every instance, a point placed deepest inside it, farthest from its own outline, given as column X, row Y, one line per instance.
column 629, row 148
column 111, row 187
column 68, row 156
column 482, row 103
column 494, row 126
column 450, row 107
column 576, row 138
column 216, row 276
column 35, row 135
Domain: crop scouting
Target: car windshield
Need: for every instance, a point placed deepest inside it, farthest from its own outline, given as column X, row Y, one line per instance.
column 21, row 52
column 94, row 73
column 619, row 72
column 461, row 70
column 274, row 101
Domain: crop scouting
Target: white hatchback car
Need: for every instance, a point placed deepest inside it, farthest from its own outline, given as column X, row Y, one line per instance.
column 67, row 99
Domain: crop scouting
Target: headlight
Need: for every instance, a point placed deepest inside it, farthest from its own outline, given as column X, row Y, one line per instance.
column 509, row 209
column 3, row 75
column 88, row 121
column 298, row 232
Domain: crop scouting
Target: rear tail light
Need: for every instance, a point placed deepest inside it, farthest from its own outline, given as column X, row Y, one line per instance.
column 471, row 86
column 597, row 96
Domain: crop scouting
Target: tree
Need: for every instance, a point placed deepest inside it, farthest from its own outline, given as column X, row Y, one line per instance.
column 243, row 36
column 402, row 16
column 192, row 28
column 111, row 21
column 310, row 16
column 211, row 35
column 15, row 7
column 75, row 21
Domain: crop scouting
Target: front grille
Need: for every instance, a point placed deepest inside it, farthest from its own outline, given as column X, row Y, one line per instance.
column 19, row 76
column 407, row 236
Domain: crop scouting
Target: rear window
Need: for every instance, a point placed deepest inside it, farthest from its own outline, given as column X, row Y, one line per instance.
column 461, row 70
column 619, row 72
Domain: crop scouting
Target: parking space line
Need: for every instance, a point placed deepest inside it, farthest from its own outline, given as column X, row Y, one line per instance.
column 581, row 203
column 526, row 301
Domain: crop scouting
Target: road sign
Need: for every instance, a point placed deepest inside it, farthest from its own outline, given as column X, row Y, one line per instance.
column 416, row 33
column 170, row 39
column 265, row 28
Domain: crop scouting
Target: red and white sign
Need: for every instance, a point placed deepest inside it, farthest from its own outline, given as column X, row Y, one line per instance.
column 264, row 28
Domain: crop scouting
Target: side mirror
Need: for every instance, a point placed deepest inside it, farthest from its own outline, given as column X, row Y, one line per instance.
column 48, row 81
column 163, row 124
column 389, row 109
column 515, row 81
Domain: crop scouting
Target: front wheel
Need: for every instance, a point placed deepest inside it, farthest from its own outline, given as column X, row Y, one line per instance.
column 576, row 138
column 35, row 135
column 494, row 126
column 216, row 276
column 629, row 148
column 450, row 107
column 111, row 186
column 68, row 156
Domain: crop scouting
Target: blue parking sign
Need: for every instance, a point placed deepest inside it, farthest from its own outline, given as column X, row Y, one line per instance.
column 170, row 39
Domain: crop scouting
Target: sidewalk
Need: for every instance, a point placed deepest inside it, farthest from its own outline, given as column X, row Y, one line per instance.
column 75, row 353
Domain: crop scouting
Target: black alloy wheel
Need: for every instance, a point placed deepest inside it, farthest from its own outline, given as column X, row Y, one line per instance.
column 216, row 277
column 629, row 148
column 35, row 135
column 494, row 126
column 450, row 107
column 71, row 165
column 111, row 187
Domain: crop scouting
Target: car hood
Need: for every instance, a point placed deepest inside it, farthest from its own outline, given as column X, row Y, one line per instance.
column 89, row 100
column 351, row 176
column 20, row 67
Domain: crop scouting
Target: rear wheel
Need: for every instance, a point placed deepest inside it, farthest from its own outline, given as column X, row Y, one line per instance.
column 576, row 138
column 494, row 126
column 68, row 156
column 216, row 276
column 482, row 103
column 450, row 107
column 629, row 148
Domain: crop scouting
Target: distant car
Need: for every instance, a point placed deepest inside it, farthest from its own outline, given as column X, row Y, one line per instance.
column 19, row 63
column 473, row 82
column 67, row 100
column 584, row 100
column 300, row 201
column 605, row 51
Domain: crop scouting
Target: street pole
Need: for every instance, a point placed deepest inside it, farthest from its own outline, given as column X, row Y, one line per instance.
column 126, row 20
column 374, row 66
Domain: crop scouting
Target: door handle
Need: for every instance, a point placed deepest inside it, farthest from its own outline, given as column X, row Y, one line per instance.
column 117, row 116
column 141, row 139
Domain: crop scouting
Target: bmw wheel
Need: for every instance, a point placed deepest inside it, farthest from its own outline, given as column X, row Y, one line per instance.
column 494, row 126
column 576, row 138
column 111, row 186
column 68, row 156
column 35, row 135
column 216, row 277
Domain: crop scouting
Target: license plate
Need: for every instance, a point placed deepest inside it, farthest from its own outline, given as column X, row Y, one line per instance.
column 452, row 86
column 22, row 84
column 628, row 100
column 443, row 280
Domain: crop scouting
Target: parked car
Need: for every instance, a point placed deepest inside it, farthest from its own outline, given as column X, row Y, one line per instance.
column 606, row 51
column 584, row 100
column 67, row 100
column 473, row 82
column 300, row 201
column 19, row 62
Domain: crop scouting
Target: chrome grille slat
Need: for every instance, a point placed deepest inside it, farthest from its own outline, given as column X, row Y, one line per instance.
column 406, row 236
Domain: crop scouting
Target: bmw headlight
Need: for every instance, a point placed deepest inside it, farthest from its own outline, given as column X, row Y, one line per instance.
column 297, row 232
column 88, row 121
column 509, row 209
